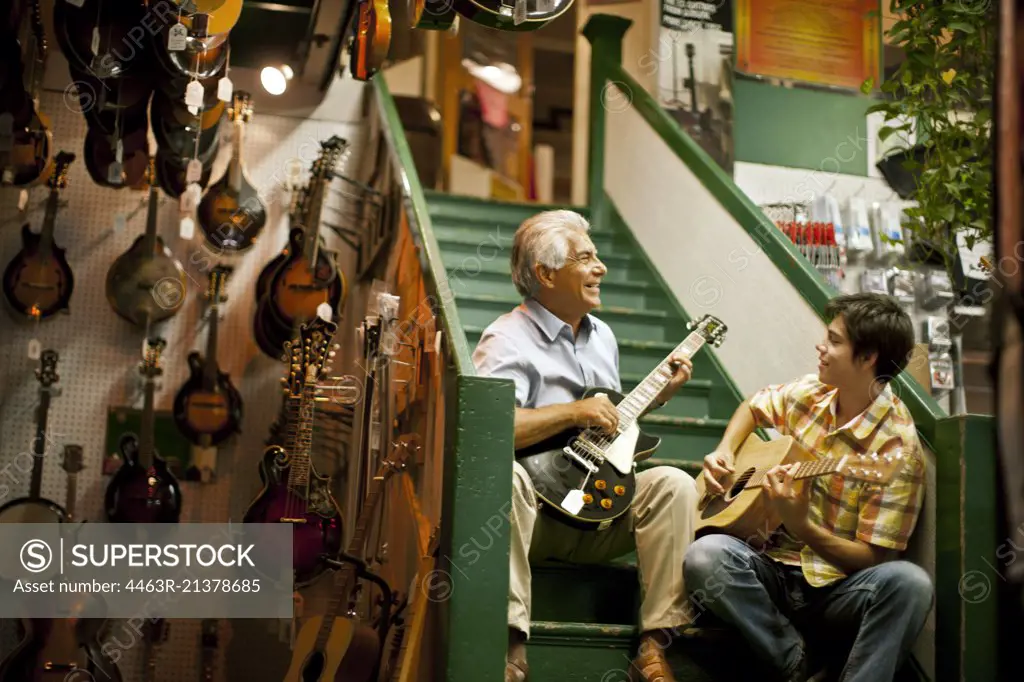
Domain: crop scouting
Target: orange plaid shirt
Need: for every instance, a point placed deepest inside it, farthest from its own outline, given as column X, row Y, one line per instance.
column 884, row 516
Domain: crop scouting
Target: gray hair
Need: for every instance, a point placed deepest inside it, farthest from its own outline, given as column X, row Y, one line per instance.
column 543, row 238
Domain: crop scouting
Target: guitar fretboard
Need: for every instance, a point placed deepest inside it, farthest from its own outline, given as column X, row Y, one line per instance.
column 300, row 437
column 641, row 397
column 808, row 469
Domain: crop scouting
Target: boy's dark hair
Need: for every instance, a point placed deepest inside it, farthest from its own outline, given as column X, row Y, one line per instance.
column 876, row 323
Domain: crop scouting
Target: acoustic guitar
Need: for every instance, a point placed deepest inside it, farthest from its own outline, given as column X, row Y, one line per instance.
column 585, row 477
column 232, row 214
column 51, row 649
column 146, row 284
column 29, row 158
column 372, row 40
column 743, row 511
column 294, row 492
column 38, row 281
column 512, row 15
column 333, row 647
column 144, row 490
column 222, row 15
column 290, row 290
column 208, row 407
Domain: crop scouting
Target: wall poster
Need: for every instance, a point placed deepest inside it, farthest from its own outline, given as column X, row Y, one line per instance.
column 693, row 60
column 825, row 42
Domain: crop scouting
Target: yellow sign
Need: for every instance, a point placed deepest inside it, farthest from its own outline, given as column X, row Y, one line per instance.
column 827, row 42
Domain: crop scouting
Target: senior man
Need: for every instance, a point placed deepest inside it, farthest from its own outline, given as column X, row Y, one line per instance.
column 553, row 349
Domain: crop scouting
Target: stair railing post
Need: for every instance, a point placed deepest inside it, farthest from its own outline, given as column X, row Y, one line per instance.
column 605, row 33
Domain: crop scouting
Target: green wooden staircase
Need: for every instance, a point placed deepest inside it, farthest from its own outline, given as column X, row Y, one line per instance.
column 584, row 620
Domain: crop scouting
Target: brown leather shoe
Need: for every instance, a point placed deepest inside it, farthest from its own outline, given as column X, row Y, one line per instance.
column 650, row 665
column 516, row 671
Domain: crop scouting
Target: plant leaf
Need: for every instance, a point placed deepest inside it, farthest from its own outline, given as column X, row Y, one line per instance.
column 961, row 26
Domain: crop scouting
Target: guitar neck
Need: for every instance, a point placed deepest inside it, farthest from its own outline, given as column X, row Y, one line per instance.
column 300, row 437
column 72, row 496
column 151, row 220
column 807, row 469
column 311, row 229
column 50, row 219
column 39, row 446
column 210, row 368
column 235, row 167
column 641, row 397
column 146, row 438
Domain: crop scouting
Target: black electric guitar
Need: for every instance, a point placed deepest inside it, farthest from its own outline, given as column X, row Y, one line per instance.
column 585, row 476
column 512, row 15
column 38, row 282
column 144, row 490
column 208, row 407
column 232, row 214
column 35, row 508
column 209, row 640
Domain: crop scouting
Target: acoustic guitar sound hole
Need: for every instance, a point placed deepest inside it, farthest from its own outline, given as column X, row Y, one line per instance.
column 313, row 668
column 738, row 485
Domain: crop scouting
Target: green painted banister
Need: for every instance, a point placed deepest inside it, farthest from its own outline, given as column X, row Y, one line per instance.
column 472, row 574
column 607, row 72
column 422, row 230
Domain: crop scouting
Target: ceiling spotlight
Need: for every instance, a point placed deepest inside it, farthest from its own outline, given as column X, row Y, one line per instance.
column 275, row 78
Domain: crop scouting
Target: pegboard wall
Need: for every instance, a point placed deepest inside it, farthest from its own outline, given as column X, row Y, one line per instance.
column 100, row 353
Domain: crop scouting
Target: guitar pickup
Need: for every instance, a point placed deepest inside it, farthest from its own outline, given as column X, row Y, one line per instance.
column 586, row 464
column 286, row 520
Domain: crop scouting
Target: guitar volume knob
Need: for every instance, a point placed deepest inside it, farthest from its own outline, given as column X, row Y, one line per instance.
column 606, row 503
column 620, row 490
column 600, row 484
column 588, row 498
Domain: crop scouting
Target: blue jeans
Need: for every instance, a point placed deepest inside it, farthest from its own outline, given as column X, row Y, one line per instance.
column 880, row 609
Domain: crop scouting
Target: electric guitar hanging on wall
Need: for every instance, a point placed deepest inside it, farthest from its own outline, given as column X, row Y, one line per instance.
column 372, row 40
column 38, row 281
column 585, row 476
column 144, row 490
column 293, row 491
column 232, row 214
column 208, row 407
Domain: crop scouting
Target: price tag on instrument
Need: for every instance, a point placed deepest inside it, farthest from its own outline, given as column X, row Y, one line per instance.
column 193, row 171
column 22, row 200
column 225, row 89
column 119, row 151
column 177, row 38
column 194, row 94
column 573, row 502
column 115, row 175
column 190, row 198
column 119, row 222
column 324, row 311
column 34, row 349
column 187, row 228
column 519, row 13
column 95, row 45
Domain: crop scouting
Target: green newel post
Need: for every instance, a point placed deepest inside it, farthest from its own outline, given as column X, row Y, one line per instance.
column 605, row 33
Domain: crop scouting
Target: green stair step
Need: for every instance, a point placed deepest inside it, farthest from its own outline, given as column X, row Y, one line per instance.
column 635, row 357
column 467, row 263
column 503, row 235
column 479, row 310
column 561, row 651
column 442, row 205
column 491, row 246
column 684, row 438
column 497, row 282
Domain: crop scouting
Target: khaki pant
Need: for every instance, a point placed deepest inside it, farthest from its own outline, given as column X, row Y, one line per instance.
column 659, row 528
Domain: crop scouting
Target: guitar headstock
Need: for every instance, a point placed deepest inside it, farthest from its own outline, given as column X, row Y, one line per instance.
column 72, row 459
column 62, row 163
column 46, row 373
column 872, row 467
column 311, row 353
column 218, row 280
column 241, row 106
column 711, row 328
column 150, row 367
column 331, row 150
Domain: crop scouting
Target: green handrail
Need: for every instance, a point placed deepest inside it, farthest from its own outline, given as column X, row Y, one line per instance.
column 422, row 229
column 605, row 34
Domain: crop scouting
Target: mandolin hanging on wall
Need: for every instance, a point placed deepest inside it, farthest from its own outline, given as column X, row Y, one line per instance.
column 38, row 281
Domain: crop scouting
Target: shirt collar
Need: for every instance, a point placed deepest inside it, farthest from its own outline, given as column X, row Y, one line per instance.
column 864, row 423
column 548, row 322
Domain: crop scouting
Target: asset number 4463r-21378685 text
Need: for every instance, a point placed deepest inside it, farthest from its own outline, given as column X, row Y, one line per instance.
column 196, row 585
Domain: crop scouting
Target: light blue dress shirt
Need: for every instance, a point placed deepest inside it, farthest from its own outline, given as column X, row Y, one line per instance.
column 536, row 350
